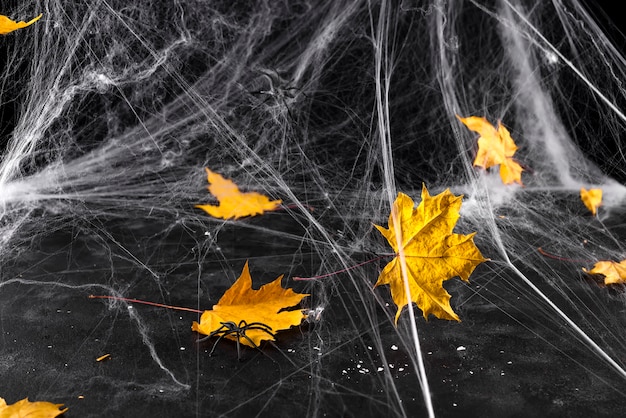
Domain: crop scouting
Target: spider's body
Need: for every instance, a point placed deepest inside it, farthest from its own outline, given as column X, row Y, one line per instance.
column 230, row 329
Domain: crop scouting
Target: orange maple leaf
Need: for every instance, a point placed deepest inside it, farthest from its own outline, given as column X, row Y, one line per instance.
column 268, row 306
column 7, row 25
column 232, row 202
column 592, row 199
column 24, row 408
column 423, row 241
column 614, row 273
column 495, row 147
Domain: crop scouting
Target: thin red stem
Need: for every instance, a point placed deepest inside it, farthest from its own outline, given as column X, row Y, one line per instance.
column 143, row 302
column 556, row 257
column 343, row 270
column 293, row 206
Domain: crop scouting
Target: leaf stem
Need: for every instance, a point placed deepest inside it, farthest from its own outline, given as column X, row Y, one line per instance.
column 557, row 257
column 143, row 302
column 294, row 206
column 323, row 276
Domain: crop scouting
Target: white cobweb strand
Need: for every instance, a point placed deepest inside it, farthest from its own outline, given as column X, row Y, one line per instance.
column 384, row 71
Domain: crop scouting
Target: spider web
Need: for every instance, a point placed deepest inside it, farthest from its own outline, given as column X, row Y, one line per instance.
column 111, row 111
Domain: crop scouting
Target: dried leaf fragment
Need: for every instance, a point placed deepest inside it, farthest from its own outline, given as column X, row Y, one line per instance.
column 7, row 25
column 268, row 305
column 232, row 202
column 613, row 272
column 25, row 408
column 495, row 147
column 432, row 253
column 592, row 199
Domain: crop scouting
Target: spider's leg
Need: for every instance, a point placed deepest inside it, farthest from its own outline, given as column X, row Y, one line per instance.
column 220, row 329
column 263, row 352
column 257, row 325
column 238, row 349
column 215, row 345
column 224, row 333
column 261, row 327
column 243, row 334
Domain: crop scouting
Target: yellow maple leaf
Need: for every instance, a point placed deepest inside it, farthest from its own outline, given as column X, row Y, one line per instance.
column 592, row 199
column 495, row 147
column 232, row 202
column 423, row 237
column 7, row 25
column 24, row 408
column 266, row 306
column 614, row 273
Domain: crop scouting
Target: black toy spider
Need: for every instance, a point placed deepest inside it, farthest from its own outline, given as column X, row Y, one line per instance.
column 279, row 90
column 229, row 328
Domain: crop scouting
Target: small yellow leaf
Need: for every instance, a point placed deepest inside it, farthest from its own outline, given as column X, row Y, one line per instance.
column 432, row 252
column 242, row 303
column 592, row 199
column 24, row 408
column 614, row 273
column 232, row 202
column 495, row 147
column 7, row 25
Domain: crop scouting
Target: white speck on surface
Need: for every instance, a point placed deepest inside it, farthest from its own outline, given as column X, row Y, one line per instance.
column 454, row 404
column 394, row 347
column 380, row 369
column 182, row 348
column 369, row 347
column 460, row 348
column 391, row 366
column 401, row 369
column 344, row 372
column 509, row 362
